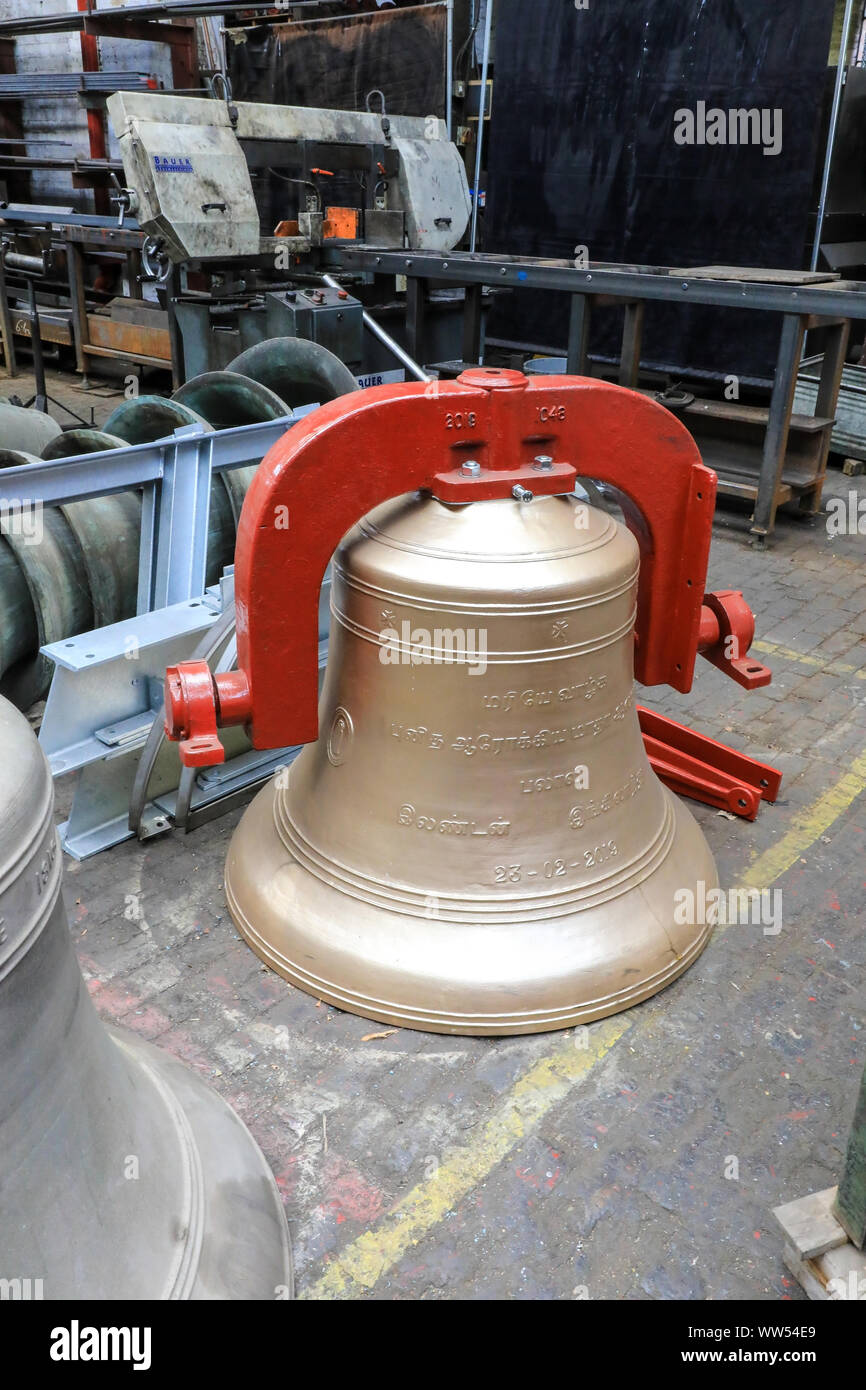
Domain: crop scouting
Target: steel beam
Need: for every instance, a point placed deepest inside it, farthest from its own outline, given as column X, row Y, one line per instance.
column 632, row 339
column 473, row 324
column 836, row 299
column 43, row 216
column 579, row 319
column 416, row 304
column 778, row 425
column 104, row 696
column 179, row 564
column 67, row 23
column 15, row 85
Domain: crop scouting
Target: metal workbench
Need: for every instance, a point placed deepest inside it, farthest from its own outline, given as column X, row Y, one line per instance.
column 91, row 334
column 816, row 301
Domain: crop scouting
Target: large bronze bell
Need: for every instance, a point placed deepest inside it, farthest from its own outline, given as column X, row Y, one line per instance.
column 122, row 1174
column 476, row 842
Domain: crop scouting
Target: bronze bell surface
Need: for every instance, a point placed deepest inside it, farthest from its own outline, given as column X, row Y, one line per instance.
column 477, row 842
column 474, row 839
column 123, row 1176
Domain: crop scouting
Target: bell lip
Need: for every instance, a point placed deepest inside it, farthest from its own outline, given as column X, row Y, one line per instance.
column 450, row 1021
column 223, row 1143
column 465, row 1025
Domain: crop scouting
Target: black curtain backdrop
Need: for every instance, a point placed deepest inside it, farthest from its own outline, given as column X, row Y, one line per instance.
column 582, row 152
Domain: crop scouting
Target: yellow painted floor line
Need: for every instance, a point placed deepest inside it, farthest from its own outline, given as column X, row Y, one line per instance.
column 833, row 668
column 360, row 1266
column 808, row 825
column 530, row 1099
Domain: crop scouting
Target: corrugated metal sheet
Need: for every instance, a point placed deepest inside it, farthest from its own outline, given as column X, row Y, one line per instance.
column 849, row 431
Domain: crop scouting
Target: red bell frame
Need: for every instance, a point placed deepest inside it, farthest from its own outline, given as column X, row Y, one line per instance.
column 362, row 449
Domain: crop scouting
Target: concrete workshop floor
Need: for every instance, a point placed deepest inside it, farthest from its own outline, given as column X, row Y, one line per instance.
column 417, row 1166
column 94, row 404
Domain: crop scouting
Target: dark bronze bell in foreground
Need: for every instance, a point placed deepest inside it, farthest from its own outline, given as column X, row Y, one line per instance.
column 477, row 842
column 122, row 1174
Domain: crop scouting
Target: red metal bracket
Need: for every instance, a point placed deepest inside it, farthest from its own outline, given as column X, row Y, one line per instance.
column 694, row 765
column 191, row 713
column 365, row 448
column 196, row 703
column 727, row 633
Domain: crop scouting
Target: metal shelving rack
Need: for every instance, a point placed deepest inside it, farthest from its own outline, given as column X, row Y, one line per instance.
column 92, row 84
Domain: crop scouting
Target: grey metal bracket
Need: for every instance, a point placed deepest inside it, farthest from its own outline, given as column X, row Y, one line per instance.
column 103, row 699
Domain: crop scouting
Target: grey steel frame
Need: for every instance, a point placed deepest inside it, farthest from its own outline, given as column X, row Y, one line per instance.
column 841, row 77
column 107, row 684
column 7, row 334
column 175, row 476
column 479, row 139
column 832, row 305
column 41, row 215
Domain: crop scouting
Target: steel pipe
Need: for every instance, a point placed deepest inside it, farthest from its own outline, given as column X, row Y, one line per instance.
column 402, row 356
column 841, row 69
column 30, row 265
column 485, row 58
column 449, row 63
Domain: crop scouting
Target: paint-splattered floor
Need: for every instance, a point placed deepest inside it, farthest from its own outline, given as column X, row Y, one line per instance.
column 642, row 1166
